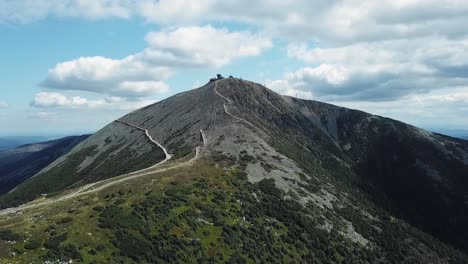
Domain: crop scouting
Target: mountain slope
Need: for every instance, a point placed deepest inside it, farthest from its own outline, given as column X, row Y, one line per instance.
column 12, row 155
column 249, row 175
column 16, row 141
column 418, row 175
column 19, row 164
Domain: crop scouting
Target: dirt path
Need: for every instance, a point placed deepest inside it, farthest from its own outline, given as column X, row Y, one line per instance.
column 100, row 185
column 168, row 156
column 226, row 108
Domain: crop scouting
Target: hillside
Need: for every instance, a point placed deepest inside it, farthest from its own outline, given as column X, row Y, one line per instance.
column 246, row 175
column 13, row 142
column 21, row 163
column 12, row 155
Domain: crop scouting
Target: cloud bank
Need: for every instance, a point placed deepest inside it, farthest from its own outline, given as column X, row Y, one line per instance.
column 375, row 55
column 144, row 73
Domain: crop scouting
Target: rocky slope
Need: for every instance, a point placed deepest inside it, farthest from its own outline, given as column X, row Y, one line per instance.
column 327, row 183
column 417, row 175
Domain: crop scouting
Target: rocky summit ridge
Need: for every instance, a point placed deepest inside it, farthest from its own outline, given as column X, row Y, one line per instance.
column 329, row 183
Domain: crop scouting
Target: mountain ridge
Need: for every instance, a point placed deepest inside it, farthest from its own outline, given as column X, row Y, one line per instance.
column 21, row 163
column 353, row 169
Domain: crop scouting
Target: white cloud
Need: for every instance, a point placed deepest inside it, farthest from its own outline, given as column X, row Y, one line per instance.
column 380, row 70
column 3, row 104
column 51, row 100
column 443, row 109
column 127, row 77
column 324, row 21
column 374, row 53
column 203, row 46
column 26, row 11
column 43, row 115
column 196, row 84
column 143, row 87
column 57, row 101
column 283, row 87
column 143, row 74
column 167, row 12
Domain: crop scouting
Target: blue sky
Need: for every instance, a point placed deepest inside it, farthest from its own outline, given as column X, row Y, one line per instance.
column 72, row 66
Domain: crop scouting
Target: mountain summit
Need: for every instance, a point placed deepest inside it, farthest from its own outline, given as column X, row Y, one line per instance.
column 234, row 172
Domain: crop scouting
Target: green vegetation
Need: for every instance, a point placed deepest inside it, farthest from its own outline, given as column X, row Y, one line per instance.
column 399, row 240
column 213, row 218
column 104, row 166
column 8, row 235
column 32, row 244
column 65, row 220
column 210, row 213
column 217, row 219
column 205, row 214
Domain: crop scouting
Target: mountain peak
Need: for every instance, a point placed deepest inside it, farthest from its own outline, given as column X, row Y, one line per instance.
column 315, row 169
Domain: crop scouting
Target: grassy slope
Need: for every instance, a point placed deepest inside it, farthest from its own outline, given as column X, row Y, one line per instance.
column 105, row 166
column 19, row 167
column 200, row 213
column 210, row 213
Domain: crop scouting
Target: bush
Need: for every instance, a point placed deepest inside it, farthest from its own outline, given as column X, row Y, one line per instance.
column 55, row 241
column 100, row 247
column 241, row 175
column 9, row 235
column 65, row 220
column 32, row 244
column 130, row 245
column 119, row 201
column 268, row 186
column 98, row 208
column 70, row 251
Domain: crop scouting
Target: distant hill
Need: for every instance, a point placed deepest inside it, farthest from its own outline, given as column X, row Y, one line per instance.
column 10, row 142
column 233, row 172
column 457, row 133
column 21, row 163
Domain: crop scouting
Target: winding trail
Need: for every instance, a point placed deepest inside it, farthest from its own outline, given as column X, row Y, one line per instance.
column 100, row 185
column 198, row 150
column 229, row 102
column 168, row 156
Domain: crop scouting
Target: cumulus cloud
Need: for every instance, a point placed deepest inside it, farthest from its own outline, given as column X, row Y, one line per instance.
column 3, row 104
column 127, row 77
column 50, row 100
column 381, row 70
column 338, row 21
column 374, row 54
column 143, row 74
column 26, row 11
column 43, row 115
column 442, row 109
column 202, row 46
